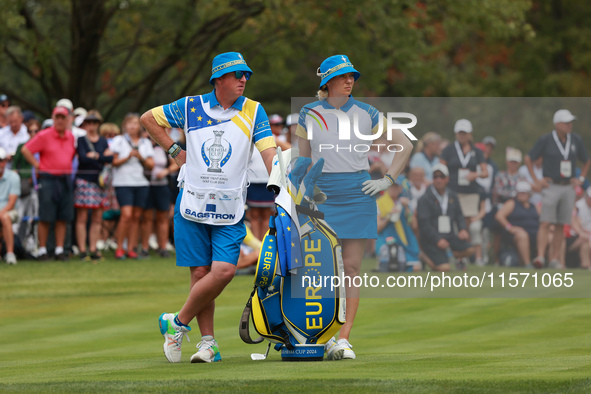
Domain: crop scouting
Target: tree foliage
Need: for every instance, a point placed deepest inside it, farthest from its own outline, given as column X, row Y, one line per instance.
column 128, row 55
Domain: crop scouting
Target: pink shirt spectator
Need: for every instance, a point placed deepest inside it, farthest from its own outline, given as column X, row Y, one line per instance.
column 55, row 152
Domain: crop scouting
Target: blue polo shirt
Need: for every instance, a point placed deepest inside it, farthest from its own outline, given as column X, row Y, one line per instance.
column 10, row 183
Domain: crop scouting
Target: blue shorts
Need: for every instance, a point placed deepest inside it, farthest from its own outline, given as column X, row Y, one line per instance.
column 198, row 244
column 136, row 196
column 159, row 198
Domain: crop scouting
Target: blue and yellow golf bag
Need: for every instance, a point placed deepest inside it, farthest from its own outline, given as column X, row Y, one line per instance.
column 294, row 304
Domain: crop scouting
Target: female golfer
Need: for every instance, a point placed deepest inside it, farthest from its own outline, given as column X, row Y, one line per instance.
column 350, row 208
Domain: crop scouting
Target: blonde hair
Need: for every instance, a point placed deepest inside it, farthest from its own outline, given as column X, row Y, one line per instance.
column 427, row 139
column 109, row 128
column 322, row 93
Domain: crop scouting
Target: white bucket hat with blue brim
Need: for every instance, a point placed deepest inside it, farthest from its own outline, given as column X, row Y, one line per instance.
column 226, row 63
column 334, row 66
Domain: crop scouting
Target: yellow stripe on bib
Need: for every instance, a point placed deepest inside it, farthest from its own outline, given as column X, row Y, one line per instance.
column 244, row 118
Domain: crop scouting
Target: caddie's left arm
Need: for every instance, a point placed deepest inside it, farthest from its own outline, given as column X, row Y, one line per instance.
column 401, row 157
column 161, row 137
column 268, row 155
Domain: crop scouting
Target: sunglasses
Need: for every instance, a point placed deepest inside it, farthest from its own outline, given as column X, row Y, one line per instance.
column 239, row 74
column 439, row 176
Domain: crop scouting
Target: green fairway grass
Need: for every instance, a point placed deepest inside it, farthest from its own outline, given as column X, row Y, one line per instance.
column 83, row 327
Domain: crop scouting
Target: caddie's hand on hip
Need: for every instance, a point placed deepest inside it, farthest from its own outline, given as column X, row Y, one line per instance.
column 373, row 187
column 181, row 158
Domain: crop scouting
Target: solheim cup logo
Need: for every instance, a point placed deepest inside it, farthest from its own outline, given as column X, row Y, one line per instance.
column 216, row 159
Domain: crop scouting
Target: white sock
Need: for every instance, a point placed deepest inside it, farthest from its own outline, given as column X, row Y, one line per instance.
column 42, row 250
column 59, row 250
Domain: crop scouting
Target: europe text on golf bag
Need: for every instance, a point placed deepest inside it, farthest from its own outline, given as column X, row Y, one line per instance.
column 290, row 305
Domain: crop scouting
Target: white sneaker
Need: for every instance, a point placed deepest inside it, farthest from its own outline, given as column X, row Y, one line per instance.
column 348, row 353
column 208, row 351
column 333, row 352
column 101, row 245
column 10, row 258
column 153, row 242
column 339, row 350
column 173, row 336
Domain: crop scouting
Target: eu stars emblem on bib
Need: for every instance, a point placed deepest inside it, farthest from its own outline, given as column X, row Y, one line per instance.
column 212, row 152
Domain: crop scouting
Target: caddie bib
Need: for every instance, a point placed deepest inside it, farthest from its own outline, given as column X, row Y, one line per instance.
column 218, row 153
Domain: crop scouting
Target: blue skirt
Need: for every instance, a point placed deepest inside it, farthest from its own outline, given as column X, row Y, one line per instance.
column 350, row 212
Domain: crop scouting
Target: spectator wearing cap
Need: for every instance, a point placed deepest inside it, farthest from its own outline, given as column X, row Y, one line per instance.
column 439, row 215
column 31, row 122
column 10, row 190
column 504, row 190
column 76, row 131
column 465, row 164
column 15, row 132
column 505, row 182
column 519, row 219
column 490, row 143
column 560, row 149
column 93, row 155
column 427, row 155
column 395, row 217
column 55, row 146
column 4, row 104
column 276, row 122
column 582, row 226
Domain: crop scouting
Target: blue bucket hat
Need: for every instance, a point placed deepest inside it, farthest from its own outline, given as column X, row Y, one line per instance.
column 334, row 66
column 226, row 63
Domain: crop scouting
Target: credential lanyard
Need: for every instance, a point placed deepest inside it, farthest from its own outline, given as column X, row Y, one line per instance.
column 563, row 149
column 443, row 201
column 464, row 160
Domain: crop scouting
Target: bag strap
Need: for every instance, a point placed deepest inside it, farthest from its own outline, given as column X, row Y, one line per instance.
column 244, row 329
column 309, row 212
column 90, row 144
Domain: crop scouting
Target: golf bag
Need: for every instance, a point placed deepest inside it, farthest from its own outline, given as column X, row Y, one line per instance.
column 294, row 303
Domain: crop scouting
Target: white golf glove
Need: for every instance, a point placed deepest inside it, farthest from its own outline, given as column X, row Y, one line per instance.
column 373, row 187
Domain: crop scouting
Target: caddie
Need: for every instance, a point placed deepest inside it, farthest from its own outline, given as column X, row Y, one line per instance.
column 221, row 128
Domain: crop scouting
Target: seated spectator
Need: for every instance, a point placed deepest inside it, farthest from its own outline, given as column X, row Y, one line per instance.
column 520, row 220
column 582, row 226
column 439, row 214
column 93, row 155
column 10, row 189
column 394, row 220
column 15, row 133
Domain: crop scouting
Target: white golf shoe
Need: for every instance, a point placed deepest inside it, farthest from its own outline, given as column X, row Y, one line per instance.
column 339, row 350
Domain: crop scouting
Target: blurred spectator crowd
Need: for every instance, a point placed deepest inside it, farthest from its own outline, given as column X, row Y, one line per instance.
column 74, row 186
